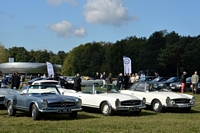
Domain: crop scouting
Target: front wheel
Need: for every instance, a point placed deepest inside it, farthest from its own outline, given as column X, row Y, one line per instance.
column 10, row 109
column 73, row 115
column 106, row 109
column 157, row 106
column 35, row 112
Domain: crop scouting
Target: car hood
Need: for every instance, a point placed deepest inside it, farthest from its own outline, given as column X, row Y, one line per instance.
column 54, row 98
column 121, row 97
column 4, row 92
column 172, row 95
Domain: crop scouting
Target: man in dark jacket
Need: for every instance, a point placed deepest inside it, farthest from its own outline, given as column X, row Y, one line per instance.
column 183, row 81
column 120, row 80
column 77, row 83
column 15, row 81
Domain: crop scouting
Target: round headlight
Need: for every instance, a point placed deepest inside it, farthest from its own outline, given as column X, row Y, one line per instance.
column 79, row 102
column 168, row 101
column 117, row 103
column 192, row 101
column 143, row 101
column 44, row 104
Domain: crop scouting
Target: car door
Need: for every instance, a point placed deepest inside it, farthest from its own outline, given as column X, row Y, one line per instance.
column 20, row 101
column 87, row 96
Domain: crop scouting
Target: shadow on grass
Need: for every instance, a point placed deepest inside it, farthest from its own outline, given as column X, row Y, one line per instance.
column 118, row 113
column 55, row 116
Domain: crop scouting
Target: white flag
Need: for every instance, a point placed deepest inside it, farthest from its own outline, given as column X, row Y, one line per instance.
column 50, row 69
column 127, row 65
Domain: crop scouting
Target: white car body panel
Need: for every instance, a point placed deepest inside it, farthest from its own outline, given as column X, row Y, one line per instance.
column 94, row 100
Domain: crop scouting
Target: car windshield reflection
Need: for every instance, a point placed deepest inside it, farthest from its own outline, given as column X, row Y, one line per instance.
column 157, row 87
column 43, row 89
column 99, row 89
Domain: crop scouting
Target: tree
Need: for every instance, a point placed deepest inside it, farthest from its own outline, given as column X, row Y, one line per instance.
column 20, row 54
column 3, row 54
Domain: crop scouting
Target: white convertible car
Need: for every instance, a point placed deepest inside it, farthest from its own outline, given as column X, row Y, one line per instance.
column 159, row 97
column 108, row 99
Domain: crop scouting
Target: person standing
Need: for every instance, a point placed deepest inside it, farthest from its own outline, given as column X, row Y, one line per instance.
column 119, row 81
column 132, row 79
column 195, row 80
column 156, row 75
column 77, row 82
column 126, row 81
column 136, row 77
column 110, row 78
column 183, row 81
column 15, row 81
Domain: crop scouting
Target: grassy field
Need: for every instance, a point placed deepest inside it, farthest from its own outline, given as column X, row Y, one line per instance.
column 94, row 122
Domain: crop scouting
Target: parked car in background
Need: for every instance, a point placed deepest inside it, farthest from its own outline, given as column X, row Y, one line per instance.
column 160, row 79
column 41, row 99
column 146, row 78
column 6, row 92
column 160, row 98
column 33, row 80
column 91, row 82
column 108, row 99
column 170, row 80
column 177, row 85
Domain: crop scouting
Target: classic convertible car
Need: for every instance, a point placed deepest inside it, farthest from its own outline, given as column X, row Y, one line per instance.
column 40, row 99
column 108, row 99
column 6, row 92
column 159, row 97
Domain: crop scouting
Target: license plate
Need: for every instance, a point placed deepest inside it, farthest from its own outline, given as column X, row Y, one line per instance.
column 183, row 105
column 172, row 87
column 133, row 109
column 64, row 111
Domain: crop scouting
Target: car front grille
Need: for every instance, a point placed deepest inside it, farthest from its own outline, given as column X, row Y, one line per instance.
column 130, row 102
column 62, row 104
column 182, row 101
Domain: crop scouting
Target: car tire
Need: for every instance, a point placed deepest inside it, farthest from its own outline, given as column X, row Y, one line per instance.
column 35, row 112
column 157, row 106
column 73, row 115
column 106, row 109
column 185, row 110
column 10, row 109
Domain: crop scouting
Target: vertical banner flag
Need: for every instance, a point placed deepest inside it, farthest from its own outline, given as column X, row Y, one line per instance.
column 127, row 65
column 50, row 69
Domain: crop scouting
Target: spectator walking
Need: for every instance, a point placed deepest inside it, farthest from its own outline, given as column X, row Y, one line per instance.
column 195, row 80
column 183, row 81
column 77, row 82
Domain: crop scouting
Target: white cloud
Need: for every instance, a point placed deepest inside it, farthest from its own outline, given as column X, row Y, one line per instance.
column 57, row 2
column 80, row 32
column 65, row 29
column 107, row 12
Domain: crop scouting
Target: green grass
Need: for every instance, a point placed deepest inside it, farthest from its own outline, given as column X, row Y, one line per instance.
column 95, row 122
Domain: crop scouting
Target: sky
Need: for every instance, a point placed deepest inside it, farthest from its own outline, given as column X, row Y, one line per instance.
column 61, row 25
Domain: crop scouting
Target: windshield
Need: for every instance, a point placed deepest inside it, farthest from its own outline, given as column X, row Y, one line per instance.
column 43, row 89
column 171, row 79
column 99, row 89
column 157, row 87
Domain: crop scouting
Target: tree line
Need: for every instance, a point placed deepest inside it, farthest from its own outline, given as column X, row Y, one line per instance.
column 168, row 53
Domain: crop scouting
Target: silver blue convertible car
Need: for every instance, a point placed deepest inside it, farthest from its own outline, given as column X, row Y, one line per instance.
column 39, row 99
